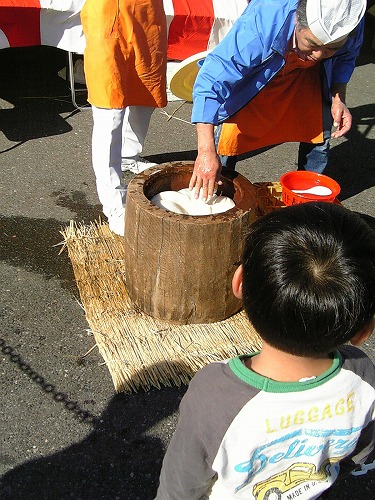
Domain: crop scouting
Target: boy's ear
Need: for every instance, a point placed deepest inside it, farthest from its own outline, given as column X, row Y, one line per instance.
column 364, row 333
column 237, row 283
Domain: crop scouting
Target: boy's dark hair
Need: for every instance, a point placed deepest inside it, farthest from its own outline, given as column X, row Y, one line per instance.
column 309, row 277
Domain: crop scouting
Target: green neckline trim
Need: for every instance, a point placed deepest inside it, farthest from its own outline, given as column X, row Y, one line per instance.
column 268, row 385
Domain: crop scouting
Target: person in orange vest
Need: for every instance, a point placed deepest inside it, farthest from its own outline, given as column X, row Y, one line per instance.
column 279, row 75
column 125, row 69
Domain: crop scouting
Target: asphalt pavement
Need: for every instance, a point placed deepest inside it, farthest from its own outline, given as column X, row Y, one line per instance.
column 65, row 433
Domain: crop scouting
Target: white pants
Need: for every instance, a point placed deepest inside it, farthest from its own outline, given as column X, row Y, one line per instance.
column 118, row 136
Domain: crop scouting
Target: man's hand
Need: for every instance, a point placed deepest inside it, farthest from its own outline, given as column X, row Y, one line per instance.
column 207, row 166
column 342, row 118
column 206, row 174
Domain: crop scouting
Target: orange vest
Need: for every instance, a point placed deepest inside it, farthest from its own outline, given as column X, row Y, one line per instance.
column 126, row 52
column 287, row 109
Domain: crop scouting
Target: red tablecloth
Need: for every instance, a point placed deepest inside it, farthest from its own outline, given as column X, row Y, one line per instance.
column 193, row 25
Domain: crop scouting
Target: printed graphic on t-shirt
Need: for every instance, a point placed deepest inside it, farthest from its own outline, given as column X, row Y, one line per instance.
column 296, row 447
column 295, row 482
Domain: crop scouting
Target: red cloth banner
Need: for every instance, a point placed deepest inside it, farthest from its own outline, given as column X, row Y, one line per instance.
column 20, row 22
column 190, row 28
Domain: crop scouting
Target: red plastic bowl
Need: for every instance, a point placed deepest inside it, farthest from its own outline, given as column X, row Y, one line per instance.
column 301, row 179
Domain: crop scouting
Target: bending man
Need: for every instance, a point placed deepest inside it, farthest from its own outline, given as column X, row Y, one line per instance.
column 278, row 76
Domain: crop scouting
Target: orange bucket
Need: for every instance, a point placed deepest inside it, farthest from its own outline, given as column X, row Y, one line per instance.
column 321, row 187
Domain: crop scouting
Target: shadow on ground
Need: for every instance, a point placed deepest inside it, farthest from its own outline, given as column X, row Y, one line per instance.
column 34, row 244
column 352, row 163
column 33, row 95
column 117, row 460
column 120, row 459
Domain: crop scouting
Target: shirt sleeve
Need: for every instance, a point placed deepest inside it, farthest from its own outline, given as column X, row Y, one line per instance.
column 186, row 473
column 359, row 363
column 214, row 398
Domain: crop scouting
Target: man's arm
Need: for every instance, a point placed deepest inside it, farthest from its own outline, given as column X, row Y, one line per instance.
column 207, row 166
column 340, row 69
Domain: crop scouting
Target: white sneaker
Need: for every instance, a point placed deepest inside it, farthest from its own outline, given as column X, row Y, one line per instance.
column 137, row 166
column 116, row 221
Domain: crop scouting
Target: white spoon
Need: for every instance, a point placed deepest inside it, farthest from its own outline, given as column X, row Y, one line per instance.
column 318, row 190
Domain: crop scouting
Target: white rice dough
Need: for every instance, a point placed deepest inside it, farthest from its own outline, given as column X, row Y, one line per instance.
column 184, row 202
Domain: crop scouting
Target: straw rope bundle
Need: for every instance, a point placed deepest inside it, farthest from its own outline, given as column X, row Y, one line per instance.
column 140, row 351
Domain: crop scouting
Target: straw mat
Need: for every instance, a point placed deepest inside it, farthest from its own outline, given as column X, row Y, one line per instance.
column 140, row 351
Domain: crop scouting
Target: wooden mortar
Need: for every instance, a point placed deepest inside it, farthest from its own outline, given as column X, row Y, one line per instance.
column 179, row 268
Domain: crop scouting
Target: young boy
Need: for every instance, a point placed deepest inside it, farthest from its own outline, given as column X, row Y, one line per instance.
column 288, row 421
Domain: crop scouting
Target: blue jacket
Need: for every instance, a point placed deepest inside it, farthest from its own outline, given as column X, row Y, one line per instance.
column 251, row 54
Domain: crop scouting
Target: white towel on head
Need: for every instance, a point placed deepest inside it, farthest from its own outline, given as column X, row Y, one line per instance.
column 333, row 20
